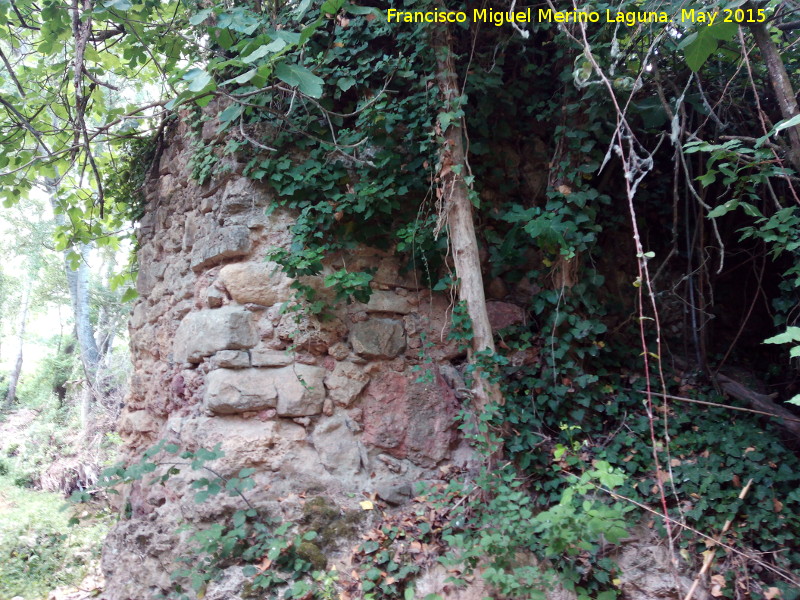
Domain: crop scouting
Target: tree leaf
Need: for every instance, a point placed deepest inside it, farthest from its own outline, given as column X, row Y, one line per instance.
column 792, row 334
column 260, row 52
column 301, row 78
column 345, row 83
column 698, row 51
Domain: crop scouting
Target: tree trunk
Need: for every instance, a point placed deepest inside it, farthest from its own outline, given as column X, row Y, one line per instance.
column 782, row 86
column 78, row 284
column 79, row 294
column 11, row 396
column 457, row 207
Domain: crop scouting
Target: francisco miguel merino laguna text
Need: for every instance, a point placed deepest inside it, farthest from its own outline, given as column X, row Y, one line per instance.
column 499, row 17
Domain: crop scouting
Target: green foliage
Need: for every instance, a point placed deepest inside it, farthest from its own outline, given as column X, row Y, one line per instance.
column 292, row 557
column 125, row 180
column 39, row 549
column 502, row 530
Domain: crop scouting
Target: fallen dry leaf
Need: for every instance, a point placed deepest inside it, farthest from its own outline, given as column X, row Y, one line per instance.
column 717, row 585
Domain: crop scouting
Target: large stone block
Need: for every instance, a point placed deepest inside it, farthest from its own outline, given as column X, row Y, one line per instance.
column 337, row 446
column 504, row 314
column 301, row 391
column 378, row 338
column 296, row 391
column 409, row 419
column 386, row 301
column 266, row 357
column 205, row 332
column 229, row 242
column 230, row 391
column 256, row 282
column 345, row 383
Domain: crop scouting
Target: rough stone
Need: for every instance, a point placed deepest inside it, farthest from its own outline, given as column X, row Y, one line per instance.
column 345, row 383
column 245, row 442
column 258, row 283
column 230, row 359
column 301, row 391
column 231, row 391
column 378, row 338
column 205, row 332
column 151, row 270
column 394, row 493
column 339, row 351
column 139, row 421
column 337, row 446
column 497, row 289
column 240, row 195
column 504, row 314
column 265, row 357
column 385, row 301
column 308, row 334
column 646, row 573
column 214, row 297
column 230, row 242
column 409, row 419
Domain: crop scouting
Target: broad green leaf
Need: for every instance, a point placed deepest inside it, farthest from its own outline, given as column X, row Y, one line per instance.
column 301, row 78
column 302, row 8
column 723, row 209
column 792, row 334
column 198, row 80
column 331, row 7
column 345, row 83
column 198, row 18
column 795, row 120
column 119, row 5
column 262, row 51
column 698, row 51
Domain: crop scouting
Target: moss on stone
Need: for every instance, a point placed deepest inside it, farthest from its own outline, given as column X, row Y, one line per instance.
column 331, row 524
column 312, row 553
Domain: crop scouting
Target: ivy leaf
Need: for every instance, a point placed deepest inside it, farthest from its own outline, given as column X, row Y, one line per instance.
column 198, row 79
column 262, row 51
column 795, row 400
column 362, row 10
column 792, row 334
column 345, row 83
column 302, row 8
column 301, row 78
column 119, row 5
column 331, row 7
column 130, row 294
column 200, row 17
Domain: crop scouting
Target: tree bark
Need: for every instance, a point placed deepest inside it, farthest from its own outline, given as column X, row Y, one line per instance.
column 11, row 396
column 457, row 207
column 78, row 284
column 782, row 85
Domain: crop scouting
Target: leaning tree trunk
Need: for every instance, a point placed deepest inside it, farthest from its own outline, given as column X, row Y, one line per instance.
column 11, row 396
column 782, row 85
column 457, row 209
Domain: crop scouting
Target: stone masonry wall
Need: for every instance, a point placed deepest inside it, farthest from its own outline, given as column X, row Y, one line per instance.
column 333, row 408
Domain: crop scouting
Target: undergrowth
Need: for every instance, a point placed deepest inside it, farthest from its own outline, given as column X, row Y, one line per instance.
column 39, row 549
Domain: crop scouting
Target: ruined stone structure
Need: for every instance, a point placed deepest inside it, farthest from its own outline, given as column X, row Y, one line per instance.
column 332, row 407
column 361, row 405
